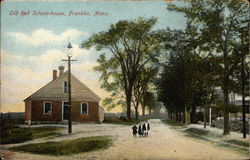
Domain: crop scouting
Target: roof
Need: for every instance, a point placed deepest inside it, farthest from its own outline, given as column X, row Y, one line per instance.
column 54, row 90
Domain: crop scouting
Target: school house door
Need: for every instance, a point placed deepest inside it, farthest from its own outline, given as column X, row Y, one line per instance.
column 65, row 113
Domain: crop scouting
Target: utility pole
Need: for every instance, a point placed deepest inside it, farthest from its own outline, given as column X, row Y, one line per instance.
column 243, row 76
column 205, row 109
column 69, row 54
column 243, row 97
column 210, row 115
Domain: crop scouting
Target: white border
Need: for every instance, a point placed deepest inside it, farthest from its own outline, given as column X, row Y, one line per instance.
column 50, row 107
column 87, row 108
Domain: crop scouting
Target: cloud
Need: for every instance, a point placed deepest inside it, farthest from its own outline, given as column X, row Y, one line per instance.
column 23, row 75
column 43, row 36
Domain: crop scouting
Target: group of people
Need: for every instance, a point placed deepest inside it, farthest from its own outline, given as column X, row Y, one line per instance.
column 142, row 129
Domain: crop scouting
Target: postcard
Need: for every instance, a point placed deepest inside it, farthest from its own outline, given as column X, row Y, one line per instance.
column 124, row 80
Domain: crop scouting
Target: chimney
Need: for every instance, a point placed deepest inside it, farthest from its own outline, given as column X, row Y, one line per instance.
column 54, row 74
column 61, row 70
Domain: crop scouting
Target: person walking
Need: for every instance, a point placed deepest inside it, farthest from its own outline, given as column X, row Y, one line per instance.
column 134, row 128
column 148, row 128
column 144, row 129
column 140, row 130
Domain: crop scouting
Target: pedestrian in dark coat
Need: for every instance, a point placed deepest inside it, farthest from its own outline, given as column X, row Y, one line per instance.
column 134, row 128
column 148, row 127
column 140, row 130
column 144, row 129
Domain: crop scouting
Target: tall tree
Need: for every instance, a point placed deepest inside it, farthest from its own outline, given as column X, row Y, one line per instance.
column 217, row 22
column 142, row 84
column 132, row 45
column 184, row 55
column 241, row 50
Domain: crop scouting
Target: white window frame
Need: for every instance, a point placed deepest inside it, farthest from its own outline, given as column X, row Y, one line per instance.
column 64, row 87
column 87, row 108
column 50, row 107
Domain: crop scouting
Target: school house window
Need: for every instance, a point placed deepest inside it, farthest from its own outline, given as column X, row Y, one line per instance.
column 47, row 108
column 65, row 87
column 84, row 108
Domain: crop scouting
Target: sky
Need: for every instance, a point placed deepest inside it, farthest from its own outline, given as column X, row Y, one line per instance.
column 32, row 44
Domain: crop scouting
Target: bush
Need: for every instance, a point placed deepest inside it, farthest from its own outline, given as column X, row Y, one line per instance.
column 111, row 119
column 123, row 118
column 199, row 117
column 235, row 124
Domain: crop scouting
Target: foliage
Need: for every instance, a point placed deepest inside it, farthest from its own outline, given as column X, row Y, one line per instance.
column 18, row 135
column 181, row 85
column 67, row 147
column 142, row 84
column 131, row 46
column 219, row 105
column 218, row 23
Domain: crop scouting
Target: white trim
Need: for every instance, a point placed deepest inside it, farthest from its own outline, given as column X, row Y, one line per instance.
column 62, row 110
column 50, row 107
column 87, row 108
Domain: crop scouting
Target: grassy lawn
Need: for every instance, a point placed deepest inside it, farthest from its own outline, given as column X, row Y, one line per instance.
column 67, row 147
column 205, row 135
column 174, row 124
column 237, row 142
column 197, row 131
column 18, row 135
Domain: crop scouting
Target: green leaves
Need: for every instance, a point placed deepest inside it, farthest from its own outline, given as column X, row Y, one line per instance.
column 129, row 46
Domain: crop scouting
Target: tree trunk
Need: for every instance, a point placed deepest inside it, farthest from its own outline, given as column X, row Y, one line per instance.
column 179, row 119
column 193, row 115
column 136, row 111
column 187, row 116
column 143, row 110
column 184, row 115
column 226, row 112
column 128, row 103
column 243, row 99
column 205, row 116
column 149, row 111
column 225, row 88
column 176, row 116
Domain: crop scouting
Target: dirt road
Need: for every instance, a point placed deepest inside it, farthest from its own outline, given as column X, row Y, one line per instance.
column 163, row 143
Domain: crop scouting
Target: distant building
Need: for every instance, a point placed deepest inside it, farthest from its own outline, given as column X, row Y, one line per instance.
column 50, row 103
column 234, row 98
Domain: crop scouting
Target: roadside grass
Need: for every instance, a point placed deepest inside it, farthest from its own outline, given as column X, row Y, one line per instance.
column 238, row 142
column 174, row 124
column 244, row 151
column 197, row 131
column 18, row 135
column 67, row 147
column 205, row 135
column 192, row 135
